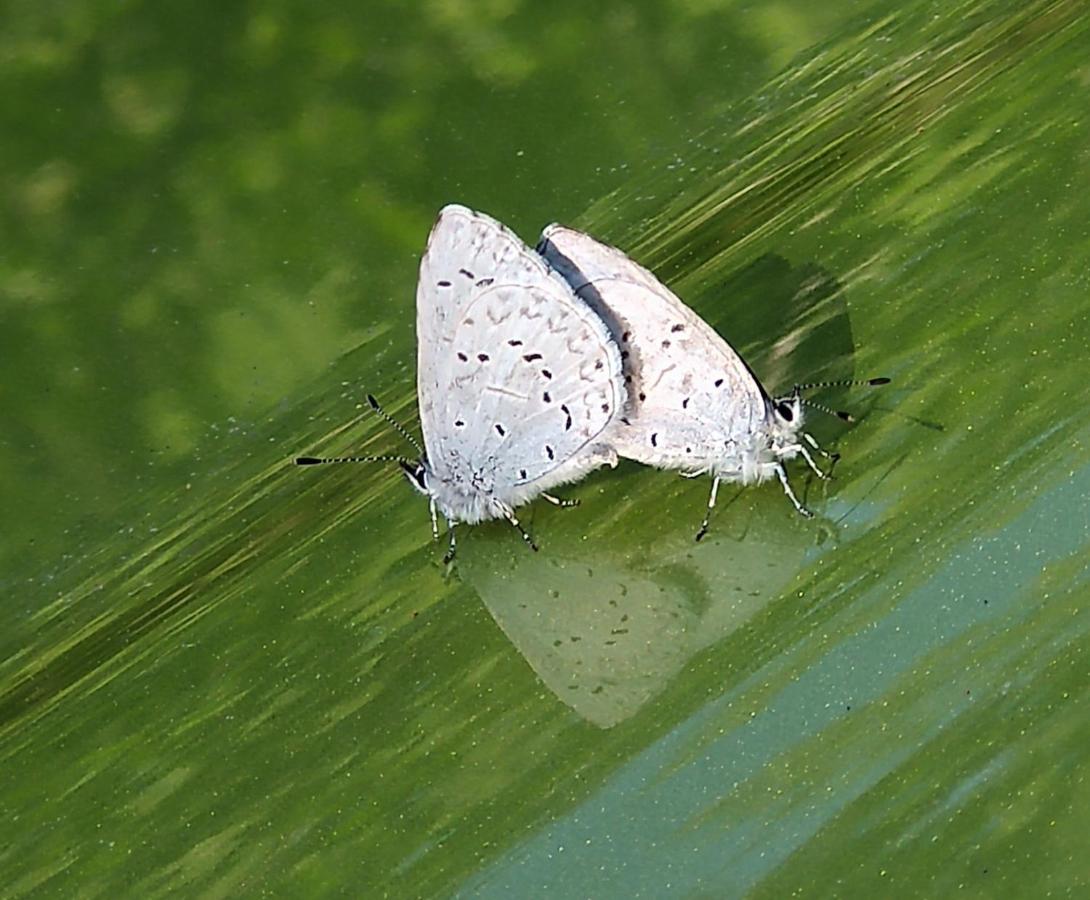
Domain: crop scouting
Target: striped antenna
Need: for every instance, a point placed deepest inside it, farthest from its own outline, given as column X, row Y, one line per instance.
column 821, row 407
column 393, row 423
column 846, row 382
column 316, row 461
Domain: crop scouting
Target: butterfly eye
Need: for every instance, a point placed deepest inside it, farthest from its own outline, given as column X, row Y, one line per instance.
column 784, row 408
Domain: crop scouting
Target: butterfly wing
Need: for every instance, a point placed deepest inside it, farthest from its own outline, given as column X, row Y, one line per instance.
column 692, row 399
column 517, row 378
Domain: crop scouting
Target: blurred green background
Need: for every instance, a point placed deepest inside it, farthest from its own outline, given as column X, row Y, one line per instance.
column 224, row 676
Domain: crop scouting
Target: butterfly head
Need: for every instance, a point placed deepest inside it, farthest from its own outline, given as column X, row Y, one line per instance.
column 787, row 417
column 416, row 473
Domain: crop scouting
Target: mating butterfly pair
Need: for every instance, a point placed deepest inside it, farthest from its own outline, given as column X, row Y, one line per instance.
column 535, row 367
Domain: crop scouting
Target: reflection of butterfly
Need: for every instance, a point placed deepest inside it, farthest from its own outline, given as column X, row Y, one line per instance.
column 694, row 404
column 517, row 378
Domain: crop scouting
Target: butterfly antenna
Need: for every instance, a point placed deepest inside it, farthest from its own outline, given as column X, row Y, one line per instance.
column 315, row 460
column 393, row 423
column 845, row 382
column 821, row 407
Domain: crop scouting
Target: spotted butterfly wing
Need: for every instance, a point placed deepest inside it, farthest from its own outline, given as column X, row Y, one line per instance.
column 693, row 404
column 517, row 377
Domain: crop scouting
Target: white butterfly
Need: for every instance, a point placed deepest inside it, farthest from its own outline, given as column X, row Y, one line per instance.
column 694, row 404
column 517, row 378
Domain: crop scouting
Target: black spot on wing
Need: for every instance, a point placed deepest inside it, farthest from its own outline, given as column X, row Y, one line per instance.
column 564, row 409
column 678, row 327
column 549, row 452
column 483, row 357
column 514, row 342
column 685, row 403
column 500, row 430
column 643, row 396
column 546, row 373
column 463, row 357
column 530, row 357
column 654, row 439
column 546, row 397
column 443, row 283
column 665, row 345
column 466, row 272
column 485, row 282
column 718, row 382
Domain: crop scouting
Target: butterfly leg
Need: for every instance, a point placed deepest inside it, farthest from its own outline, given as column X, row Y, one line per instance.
column 434, row 522
column 510, row 516
column 711, row 505
column 559, row 501
column 448, row 557
column 832, row 457
column 809, row 438
column 805, row 454
column 781, row 473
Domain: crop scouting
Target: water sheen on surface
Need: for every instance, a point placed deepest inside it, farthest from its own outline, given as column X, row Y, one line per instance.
column 221, row 675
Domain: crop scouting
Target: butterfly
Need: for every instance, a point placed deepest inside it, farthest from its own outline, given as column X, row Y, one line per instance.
column 694, row 403
column 518, row 380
